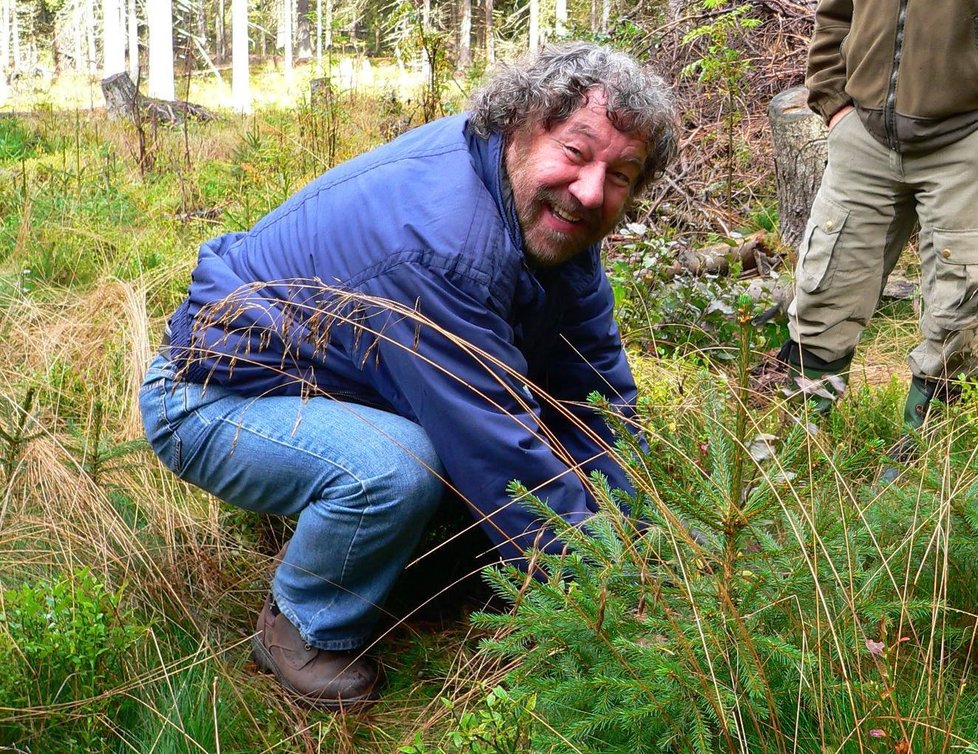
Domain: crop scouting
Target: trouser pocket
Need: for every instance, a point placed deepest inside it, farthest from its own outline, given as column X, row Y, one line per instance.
column 816, row 259
column 953, row 300
column 159, row 432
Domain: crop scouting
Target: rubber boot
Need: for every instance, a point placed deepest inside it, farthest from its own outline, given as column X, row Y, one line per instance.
column 917, row 407
column 820, row 383
column 905, row 450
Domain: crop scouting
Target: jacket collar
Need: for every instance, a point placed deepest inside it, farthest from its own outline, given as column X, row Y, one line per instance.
column 487, row 155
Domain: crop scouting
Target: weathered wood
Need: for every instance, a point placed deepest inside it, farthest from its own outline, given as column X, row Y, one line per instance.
column 173, row 112
column 320, row 93
column 120, row 95
column 122, row 100
column 716, row 259
column 799, row 139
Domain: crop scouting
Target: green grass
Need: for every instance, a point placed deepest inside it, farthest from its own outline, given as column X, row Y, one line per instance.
column 805, row 557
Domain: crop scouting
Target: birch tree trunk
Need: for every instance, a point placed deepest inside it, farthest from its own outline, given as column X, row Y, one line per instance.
column 605, row 16
column 220, row 32
column 133, row 41
column 240, row 83
column 89, row 20
column 328, row 31
column 303, row 48
column 287, row 38
column 464, row 59
column 15, row 37
column 534, row 30
column 5, row 11
column 159, row 17
column 77, row 40
column 319, row 37
column 113, row 53
column 560, row 15
column 200, row 13
column 5, row 68
column 490, row 35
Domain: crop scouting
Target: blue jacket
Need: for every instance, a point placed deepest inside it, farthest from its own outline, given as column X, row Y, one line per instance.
column 398, row 280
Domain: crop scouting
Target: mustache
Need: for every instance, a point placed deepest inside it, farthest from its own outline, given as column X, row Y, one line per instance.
column 568, row 205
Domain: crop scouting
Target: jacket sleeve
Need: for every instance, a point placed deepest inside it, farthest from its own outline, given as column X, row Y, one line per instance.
column 826, row 78
column 589, row 358
column 455, row 366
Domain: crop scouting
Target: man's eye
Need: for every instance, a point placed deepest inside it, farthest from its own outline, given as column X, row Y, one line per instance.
column 572, row 151
column 621, row 179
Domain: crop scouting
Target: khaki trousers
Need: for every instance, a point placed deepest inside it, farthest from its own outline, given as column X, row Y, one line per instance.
column 865, row 210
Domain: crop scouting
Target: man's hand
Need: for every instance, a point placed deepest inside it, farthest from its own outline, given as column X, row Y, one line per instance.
column 839, row 115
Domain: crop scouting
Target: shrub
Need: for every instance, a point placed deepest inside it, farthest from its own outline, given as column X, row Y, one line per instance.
column 751, row 595
column 64, row 646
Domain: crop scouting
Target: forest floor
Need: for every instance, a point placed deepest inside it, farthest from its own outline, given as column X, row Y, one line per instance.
column 814, row 610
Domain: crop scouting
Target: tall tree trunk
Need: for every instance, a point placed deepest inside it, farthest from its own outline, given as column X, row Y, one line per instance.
column 200, row 12
column 605, row 16
column 594, row 16
column 319, row 37
column 490, row 34
column 159, row 17
column 76, row 36
column 534, row 29
column 303, row 48
column 464, row 59
column 15, row 38
column 328, row 38
column 90, row 33
column 240, row 84
column 287, row 37
column 220, row 32
column 5, row 67
column 133, row 41
column 560, row 16
column 5, row 11
column 113, row 54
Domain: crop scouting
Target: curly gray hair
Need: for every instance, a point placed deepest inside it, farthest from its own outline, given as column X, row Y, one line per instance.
column 552, row 84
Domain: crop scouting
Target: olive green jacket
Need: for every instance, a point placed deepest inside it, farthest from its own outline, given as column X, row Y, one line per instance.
column 909, row 66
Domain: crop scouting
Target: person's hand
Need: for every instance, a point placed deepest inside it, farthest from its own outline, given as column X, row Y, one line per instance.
column 839, row 115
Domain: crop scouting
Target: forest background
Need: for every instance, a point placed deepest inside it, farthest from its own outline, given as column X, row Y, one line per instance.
column 777, row 594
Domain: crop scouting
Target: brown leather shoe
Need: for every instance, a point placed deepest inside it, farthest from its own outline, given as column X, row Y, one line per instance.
column 322, row 678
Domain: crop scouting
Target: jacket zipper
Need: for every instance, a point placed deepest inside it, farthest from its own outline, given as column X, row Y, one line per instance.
column 889, row 106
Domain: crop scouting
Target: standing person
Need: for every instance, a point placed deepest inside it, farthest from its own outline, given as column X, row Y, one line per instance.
column 897, row 83
column 434, row 311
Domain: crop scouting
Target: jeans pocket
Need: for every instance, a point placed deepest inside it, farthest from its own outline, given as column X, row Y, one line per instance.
column 160, row 433
column 954, row 299
column 818, row 250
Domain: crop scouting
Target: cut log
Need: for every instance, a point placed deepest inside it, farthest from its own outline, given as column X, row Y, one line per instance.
column 173, row 112
column 799, row 139
column 752, row 252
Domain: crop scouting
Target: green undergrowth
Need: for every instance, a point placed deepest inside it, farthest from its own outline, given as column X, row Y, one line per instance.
column 762, row 595
column 760, row 590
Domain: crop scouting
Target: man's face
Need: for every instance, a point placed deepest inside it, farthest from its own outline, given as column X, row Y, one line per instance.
column 571, row 182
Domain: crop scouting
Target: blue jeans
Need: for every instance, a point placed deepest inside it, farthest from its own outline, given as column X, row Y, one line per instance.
column 362, row 482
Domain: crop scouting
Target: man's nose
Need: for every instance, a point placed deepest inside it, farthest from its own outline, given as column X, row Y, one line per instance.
column 588, row 188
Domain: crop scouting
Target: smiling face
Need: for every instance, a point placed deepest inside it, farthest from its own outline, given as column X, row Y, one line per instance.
column 572, row 181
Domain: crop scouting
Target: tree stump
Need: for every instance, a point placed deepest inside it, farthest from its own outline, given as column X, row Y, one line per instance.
column 120, row 95
column 799, row 139
column 321, row 93
column 123, row 101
